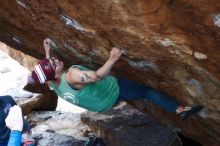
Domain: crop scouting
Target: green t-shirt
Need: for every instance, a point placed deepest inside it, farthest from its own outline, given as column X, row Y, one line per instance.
column 97, row 97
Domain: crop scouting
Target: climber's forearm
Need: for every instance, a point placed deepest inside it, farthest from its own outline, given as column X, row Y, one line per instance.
column 47, row 53
column 105, row 69
column 47, row 47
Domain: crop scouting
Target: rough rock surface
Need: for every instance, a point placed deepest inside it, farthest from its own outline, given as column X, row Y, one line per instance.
column 126, row 126
column 25, row 60
column 58, row 128
column 170, row 45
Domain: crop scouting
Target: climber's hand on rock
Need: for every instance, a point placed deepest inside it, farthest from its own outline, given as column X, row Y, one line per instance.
column 115, row 54
column 46, row 44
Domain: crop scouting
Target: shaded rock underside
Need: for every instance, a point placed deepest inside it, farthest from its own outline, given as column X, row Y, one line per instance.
column 125, row 126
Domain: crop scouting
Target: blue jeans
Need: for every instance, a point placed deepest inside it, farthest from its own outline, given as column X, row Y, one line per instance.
column 129, row 90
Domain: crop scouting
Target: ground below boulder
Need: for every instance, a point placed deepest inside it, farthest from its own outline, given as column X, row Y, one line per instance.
column 56, row 128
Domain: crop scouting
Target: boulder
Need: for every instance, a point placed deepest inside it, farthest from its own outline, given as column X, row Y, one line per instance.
column 126, row 126
column 170, row 45
column 49, row 98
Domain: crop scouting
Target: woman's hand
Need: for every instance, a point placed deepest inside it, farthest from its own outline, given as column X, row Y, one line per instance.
column 14, row 120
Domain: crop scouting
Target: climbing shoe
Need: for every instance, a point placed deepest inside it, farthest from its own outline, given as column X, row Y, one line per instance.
column 190, row 111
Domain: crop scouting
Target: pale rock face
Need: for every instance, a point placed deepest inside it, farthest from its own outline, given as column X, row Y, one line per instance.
column 216, row 19
column 12, row 82
column 58, row 128
column 170, row 45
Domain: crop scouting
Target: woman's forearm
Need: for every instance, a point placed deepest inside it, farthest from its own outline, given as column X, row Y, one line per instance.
column 15, row 138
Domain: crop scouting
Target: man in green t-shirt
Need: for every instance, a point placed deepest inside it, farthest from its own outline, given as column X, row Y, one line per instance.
column 97, row 90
